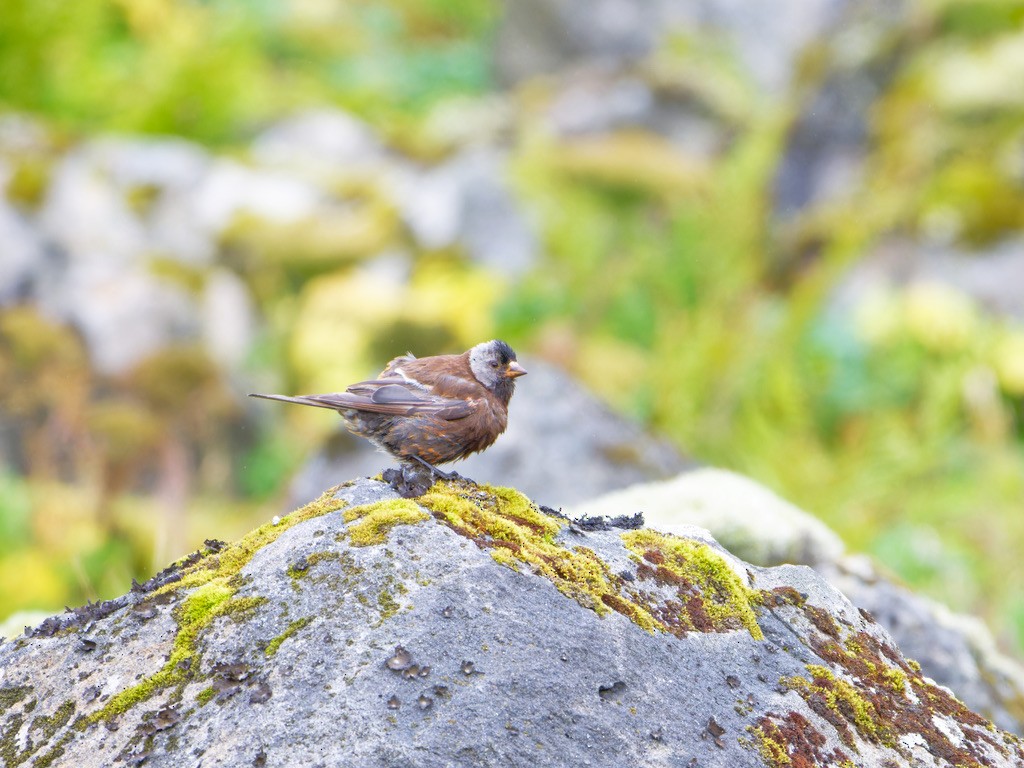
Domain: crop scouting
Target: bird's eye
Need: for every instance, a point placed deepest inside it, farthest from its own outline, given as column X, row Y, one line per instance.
column 494, row 364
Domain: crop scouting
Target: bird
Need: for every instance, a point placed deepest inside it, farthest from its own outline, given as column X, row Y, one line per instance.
column 429, row 410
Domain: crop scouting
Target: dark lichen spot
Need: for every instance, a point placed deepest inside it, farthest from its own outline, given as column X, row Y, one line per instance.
column 613, row 691
column 165, row 718
column 261, row 694
column 399, row 660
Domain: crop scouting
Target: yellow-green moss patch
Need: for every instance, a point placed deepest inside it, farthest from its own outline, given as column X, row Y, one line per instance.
column 294, row 627
column 214, row 583
column 712, row 597
column 195, row 614
column 516, row 532
column 771, row 745
column 844, row 700
column 232, row 558
column 371, row 523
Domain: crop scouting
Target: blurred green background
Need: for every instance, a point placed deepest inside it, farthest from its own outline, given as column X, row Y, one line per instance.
column 671, row 282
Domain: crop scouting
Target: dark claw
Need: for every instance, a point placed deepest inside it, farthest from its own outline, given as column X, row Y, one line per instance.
column 435, row 470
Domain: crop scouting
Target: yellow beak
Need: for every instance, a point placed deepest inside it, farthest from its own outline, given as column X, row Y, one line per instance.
column 515, row 369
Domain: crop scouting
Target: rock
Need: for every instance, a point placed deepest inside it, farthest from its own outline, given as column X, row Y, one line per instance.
column 21, row 256
column 538, row 37
column 316, row 141
column 467, row 627
column 956, row 651
column 544, row 437
column 768, row 38
column 125, row 315
column 228, row 318
column 825, row 153
column 231, row 190
column 991, row 276
column 746, row 517
column 466, row 201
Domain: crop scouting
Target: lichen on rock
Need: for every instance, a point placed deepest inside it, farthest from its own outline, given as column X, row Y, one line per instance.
column 369, row 629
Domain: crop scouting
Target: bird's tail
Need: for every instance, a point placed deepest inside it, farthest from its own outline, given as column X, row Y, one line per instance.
column 300, row 400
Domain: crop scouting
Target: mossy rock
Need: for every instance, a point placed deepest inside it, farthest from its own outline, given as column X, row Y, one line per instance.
column 471, row 626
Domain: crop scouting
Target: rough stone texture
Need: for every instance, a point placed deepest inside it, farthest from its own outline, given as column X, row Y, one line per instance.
column 746, row 517
column 508, row 671
column 956, row 650
column 553, row 423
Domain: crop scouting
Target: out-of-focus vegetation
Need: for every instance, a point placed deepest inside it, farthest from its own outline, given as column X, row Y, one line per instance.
column 216, row 71
column 665, row 286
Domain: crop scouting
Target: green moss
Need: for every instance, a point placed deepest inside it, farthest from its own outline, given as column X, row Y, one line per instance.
column 50, row 725
column 214, row 582
column 196, row 613
column 844, row 700
column 311, row 560
column 895, row 678
column 516, row 532
column 387, row 604
column 371, row 523
column 771, row 745
column 294, row 627
column 12, row 694
column 47, row 726
column 205, row 695
column 724, row 597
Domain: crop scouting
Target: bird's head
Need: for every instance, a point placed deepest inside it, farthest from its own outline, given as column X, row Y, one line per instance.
column 494, row 365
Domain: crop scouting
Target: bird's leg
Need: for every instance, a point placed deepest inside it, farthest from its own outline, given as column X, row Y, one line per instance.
column 432, row 468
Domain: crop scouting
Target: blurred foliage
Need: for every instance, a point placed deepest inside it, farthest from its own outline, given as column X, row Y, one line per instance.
column 902, row 424
column 216, row 70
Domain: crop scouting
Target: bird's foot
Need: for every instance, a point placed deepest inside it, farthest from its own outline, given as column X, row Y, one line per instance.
column 410, row 480
column 437, row 472
column 413, row 479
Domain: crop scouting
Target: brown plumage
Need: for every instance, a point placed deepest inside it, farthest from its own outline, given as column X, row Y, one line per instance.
column 432, row 410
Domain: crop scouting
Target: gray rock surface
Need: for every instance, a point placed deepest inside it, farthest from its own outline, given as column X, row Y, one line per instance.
column 423, row 650
column 957, row 651
column 466, row 201
column 554, row 424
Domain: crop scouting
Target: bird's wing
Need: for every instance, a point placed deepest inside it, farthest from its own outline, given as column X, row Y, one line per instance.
column 385, row 396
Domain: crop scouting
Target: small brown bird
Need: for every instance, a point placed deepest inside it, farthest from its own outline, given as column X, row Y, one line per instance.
column 431, row 410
